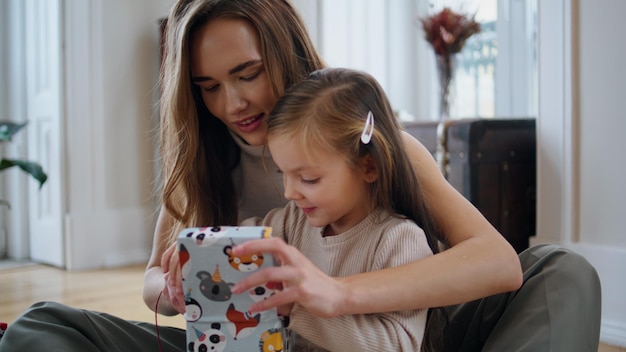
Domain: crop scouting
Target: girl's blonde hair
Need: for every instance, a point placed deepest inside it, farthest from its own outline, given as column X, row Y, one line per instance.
column 328, row 111
column 198, row 154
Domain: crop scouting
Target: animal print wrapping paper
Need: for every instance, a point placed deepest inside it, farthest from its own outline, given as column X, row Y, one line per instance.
column 217, row 319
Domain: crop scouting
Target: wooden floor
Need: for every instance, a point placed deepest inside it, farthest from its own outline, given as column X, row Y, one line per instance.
column 115, row 291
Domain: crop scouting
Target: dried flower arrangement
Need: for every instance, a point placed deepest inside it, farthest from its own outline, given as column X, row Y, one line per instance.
column 447, row 31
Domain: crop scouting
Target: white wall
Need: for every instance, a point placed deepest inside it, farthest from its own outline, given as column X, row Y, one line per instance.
column 600, row 104
column 581, row 190
column 602, row 123
column 112, row 61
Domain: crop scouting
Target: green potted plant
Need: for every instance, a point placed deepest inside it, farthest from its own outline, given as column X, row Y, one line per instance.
column 7, row 130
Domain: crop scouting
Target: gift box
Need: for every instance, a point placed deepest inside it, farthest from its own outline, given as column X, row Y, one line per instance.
column 217, row 319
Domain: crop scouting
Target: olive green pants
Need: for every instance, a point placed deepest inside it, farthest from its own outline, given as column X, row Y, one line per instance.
column 556, row 309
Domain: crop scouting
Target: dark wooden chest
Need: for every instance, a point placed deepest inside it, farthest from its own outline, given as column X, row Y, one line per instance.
column 492, row 162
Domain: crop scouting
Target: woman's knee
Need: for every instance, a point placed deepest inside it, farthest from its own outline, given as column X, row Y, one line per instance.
column 540, row 256
column 562, row 267
column 45, row 312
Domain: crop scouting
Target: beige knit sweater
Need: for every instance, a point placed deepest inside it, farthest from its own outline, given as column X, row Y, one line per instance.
column 379, row 241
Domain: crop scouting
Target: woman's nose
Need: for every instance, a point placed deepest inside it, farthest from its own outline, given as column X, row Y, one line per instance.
column 235, row 100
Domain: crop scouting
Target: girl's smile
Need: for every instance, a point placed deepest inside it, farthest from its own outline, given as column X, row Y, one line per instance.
column 308, row 211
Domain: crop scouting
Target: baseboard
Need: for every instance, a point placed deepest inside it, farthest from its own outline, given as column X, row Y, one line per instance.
column 609, row 262
column 613, row 333
column 127, row 257
column 112, row 238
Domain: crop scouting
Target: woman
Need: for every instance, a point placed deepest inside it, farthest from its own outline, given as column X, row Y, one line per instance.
column 238, row 69
column 226, row 64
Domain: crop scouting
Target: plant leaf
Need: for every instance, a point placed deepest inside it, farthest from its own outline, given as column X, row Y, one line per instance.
column 32, row 168
column 8, row 129
column 4, row 202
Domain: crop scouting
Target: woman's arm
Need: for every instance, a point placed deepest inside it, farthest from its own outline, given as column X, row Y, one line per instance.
column 155, row 278
column 479, row 263
column 401, row 243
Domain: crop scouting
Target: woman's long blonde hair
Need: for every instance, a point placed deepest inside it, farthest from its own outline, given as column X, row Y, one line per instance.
column 198, row 154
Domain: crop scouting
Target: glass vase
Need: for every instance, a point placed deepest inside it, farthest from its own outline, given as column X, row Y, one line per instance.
column 445, row 69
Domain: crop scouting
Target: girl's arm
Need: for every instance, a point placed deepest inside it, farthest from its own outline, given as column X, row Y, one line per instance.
column 401, row 243
column 479, row 263
column 155, row 278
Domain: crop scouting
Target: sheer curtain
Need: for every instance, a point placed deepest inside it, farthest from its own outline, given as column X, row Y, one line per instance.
column 496, row 73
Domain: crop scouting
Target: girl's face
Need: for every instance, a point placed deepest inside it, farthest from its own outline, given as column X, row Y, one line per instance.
column 227, row 65
column 324, row 186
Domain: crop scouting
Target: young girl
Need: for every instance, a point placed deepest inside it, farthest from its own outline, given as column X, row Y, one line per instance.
column 355, row 203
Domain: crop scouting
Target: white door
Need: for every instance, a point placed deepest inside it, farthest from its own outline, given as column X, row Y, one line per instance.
column 44, row 111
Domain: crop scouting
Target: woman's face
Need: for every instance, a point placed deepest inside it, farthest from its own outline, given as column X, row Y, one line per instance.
column 227, row 65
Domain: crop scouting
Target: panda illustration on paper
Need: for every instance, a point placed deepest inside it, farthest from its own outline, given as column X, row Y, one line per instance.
column 262, row 292
column 206, row 236
column 193, row 310
column 209, row 340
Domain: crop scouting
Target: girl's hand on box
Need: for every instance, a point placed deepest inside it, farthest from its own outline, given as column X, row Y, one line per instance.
column 302, row 281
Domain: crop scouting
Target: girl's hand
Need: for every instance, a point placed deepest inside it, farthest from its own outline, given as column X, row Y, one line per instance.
column 173, row 289
column 302, row 281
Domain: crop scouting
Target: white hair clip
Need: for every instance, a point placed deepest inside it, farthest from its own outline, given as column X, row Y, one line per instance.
column 368, row 129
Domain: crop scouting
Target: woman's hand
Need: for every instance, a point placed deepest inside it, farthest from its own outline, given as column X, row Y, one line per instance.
column 173, row 289
column 302, row 282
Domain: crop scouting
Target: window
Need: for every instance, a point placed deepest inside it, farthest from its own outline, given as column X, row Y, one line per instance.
column 473, row 89
column 496, row 72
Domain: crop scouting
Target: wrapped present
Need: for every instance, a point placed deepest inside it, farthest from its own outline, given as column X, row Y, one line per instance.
column 217, row 319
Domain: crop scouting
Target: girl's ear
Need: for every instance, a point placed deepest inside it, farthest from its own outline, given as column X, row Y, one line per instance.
column 368, row 167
